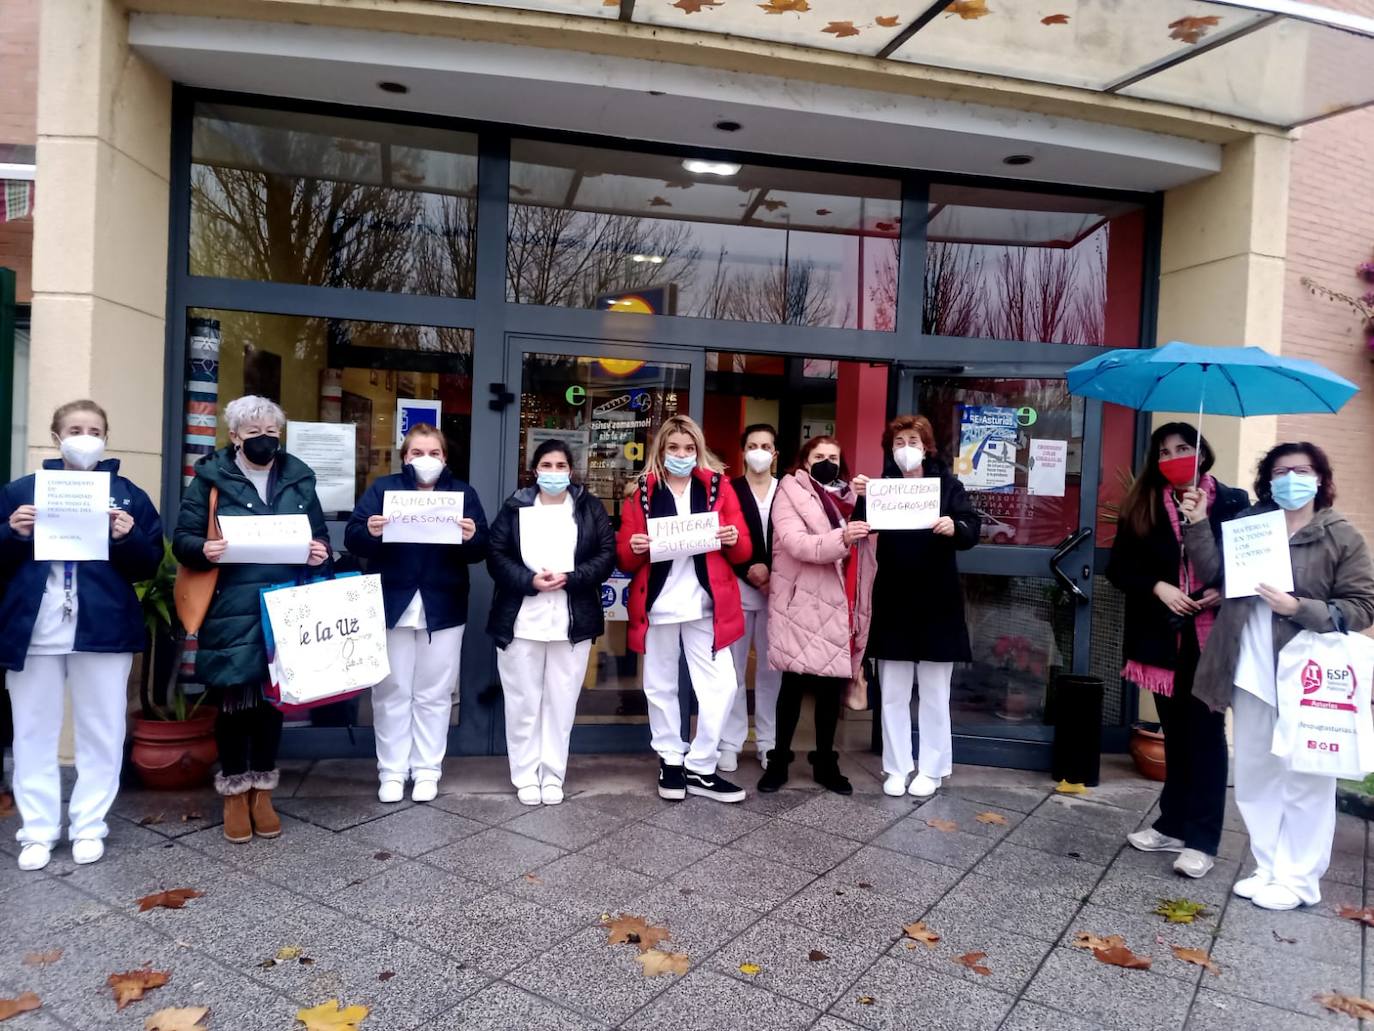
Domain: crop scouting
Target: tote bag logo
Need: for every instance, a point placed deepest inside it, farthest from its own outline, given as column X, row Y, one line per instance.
column 1311, row 677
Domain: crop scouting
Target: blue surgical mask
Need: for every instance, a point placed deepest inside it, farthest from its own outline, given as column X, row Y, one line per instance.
column 1293, row 491
column 553, row 483
column 680, row 465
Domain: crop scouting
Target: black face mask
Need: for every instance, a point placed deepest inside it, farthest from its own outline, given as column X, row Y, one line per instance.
column 260, row 450
column 825, row 472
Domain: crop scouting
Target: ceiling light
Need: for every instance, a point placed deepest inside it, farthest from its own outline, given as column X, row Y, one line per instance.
column 393, row 87
column 699, row 167
column 1017, row 159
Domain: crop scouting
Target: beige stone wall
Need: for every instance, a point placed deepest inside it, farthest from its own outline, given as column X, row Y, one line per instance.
column 18, row 93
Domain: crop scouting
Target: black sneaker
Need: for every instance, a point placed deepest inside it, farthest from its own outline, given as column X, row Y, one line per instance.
column 712, row 785
column 672, row 784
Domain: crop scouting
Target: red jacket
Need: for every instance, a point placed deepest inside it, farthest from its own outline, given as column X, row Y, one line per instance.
column 728, row 615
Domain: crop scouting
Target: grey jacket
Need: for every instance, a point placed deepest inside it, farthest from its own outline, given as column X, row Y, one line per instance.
column 1331, row 566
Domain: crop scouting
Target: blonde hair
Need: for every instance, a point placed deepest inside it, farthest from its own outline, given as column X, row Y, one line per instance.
column 424, row 429
column 71, row 408
column 706, row 458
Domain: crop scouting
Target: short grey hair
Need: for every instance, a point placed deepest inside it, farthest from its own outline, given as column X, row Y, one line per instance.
column 251, row 407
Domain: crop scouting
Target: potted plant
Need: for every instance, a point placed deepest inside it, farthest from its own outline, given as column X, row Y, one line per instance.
column 174, row 737
column 1147, row 750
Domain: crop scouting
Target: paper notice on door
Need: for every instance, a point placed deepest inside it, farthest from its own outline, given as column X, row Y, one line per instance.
column 1256, row 551
column 673, row 537
column 73, row 521
column 1049, row 461
column 276, row 540
column 903, row 504
column 330, row 449
column 548, row 538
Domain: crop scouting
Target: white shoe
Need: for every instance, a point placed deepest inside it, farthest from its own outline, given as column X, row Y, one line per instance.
column 1276, row 897
column 551, row 794
column 1250, row 886
column 763, row 758
column 1192, row 863
column 1150, row 840
column 923, row 786
column 87, row 850
column 728, row 762
column 530, row 795
column 424, row 791
column 391, row 791
column 34, row 856
column 894, row 785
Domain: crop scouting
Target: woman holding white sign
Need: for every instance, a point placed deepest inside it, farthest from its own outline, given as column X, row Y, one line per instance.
column 1291, row 817
column 69, row 624
column 552, row 547
column 918, row 634
column 684, row 601
column 250, row 479
column 425, row 589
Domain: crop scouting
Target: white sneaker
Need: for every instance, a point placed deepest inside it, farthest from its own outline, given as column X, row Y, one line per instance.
column 1192, row 863
column 551, row 794
column 1250, row 886
column 424, row 791
column 1276, row 897
column 923, row 786
column 530, row 795
column 34, row 856
column 391, row 791
column 87, row 850
column 894, row 785
column 728, row 762
column 763, row 758
column 1150, row 840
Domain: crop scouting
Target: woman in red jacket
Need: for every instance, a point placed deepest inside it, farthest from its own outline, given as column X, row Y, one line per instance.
column 687, row 605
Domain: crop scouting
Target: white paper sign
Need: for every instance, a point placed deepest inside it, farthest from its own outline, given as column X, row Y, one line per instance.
column 73, row 522
column 903, row 504
column 548, row 538
column 330, row 637
column 277, row 540
column 673, row 537
column 1049, row 462
column 330, row 449
column 1256, row 550
column 422, row 516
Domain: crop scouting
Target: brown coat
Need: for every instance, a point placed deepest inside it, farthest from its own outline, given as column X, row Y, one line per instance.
column 1331, row 565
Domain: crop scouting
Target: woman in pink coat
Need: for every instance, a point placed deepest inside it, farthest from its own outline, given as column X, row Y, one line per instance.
column 818, row 604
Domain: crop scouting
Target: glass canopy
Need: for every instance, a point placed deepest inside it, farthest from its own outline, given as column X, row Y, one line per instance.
column 1273, row 61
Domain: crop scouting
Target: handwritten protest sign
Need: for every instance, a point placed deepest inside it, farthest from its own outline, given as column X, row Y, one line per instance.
column 422, row 516
column 548, row 538
column 1256, row 550
column 73, row 522
column 673, row 537
column 272, row 540
column 329, row 637
column 903, row 504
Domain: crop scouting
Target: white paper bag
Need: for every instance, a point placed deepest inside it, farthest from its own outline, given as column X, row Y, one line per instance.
column 330, row 637
column 1324, row 723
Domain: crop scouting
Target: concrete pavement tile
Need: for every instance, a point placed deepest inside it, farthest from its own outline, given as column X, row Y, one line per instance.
column 707, row 820
column 707, row 1001
column 578, row 883
column 1351, row 834
column 1276, row 977
column 124, row 837
column 752, row 881
column 1145, row 936
column 649, row 850
column 173, row 814
column 1097, row 816
column 1133, row 862
column 492, row 810
column 498, row 932
column 1330, row 941
column 494, row 856
column 1012, row 959
column 1066, row 839
column 339, row 778
column 859, row 818
column 338, row 814
column 797, row 845
column 1235, row 846
column 501, row 1007
column 698, row 923
column 1127, row 1000
column 630, row 807
column 1135, row 892
column 1334, row 896
column 306, row 859
column 1016, row 906
column 1031, row 1016
column 829, row 1023
column 413, row 832
column 965, row 814
column 569, row 826
column 784, row 949
column 903, row 877
column 855, row 914
column 406, row 896
column 1131, row 793
column 1073, row 878
column 1213, row 1011
column 909, row 997
column 775, row 803
column 1346, row 868
column 914, row 837
column 1017, row 799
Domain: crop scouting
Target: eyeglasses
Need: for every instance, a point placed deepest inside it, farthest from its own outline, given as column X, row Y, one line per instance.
column 1301, row 470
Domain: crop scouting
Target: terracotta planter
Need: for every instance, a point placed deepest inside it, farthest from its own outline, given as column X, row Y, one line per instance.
column 172, row 755
column 1147, row 749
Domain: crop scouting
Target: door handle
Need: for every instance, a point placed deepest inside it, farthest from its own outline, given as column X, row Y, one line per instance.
column 1065, row 548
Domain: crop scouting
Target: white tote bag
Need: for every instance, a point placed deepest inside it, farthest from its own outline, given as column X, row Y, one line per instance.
column 330, row 637
column 1324, row 722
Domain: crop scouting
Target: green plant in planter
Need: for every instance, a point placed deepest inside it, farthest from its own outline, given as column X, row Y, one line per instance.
column 157, row 597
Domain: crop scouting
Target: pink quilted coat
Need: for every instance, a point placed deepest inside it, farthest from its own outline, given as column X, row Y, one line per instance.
column 808, row 613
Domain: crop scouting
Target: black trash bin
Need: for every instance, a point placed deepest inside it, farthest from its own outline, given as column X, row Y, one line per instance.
column 1077, row 718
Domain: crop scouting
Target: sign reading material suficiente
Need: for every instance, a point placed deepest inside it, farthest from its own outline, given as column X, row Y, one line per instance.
column 422, row 516
column 903, row 504
column 673, row 537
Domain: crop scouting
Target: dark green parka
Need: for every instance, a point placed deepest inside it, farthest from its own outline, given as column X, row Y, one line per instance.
column 230, row 649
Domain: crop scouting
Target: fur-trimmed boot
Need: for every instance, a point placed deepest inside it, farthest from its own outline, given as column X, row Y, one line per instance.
column 238, row 825
column 266, row 822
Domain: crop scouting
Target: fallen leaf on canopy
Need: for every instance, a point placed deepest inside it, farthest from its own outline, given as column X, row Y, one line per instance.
column 42, row 959
column 921, row 933
column 131, row 985
column 25, row 1002
column 750, row 969
column 1361, row 916
column 610, row 3
column 1192, row 29
column 656, row 962
column 996, row 819
column 840, row 29
column 659, row 202
column 1351, row 1005
column 1180, row 911
column 175, row 898
column 885, row 227
column 942, row 825
column 685, row 6
column 887, row 21
column 1055, row 19
column 331, row 1016
column 634, row 930
column 1084, row 940
column 969, row 10
column 817, row 956
column 1120, row 956
column 185, row 1018
column 783, row 6
column 1064, row 787
column 974, row 961
column 1197, row 957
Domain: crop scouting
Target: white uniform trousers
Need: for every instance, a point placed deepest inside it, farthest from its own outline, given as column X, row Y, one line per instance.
column 932, row 717
column 766, row 683
column 412, row 706
column 713, row 680
column 1291, row 817
column 99, row 684
column 541, row 681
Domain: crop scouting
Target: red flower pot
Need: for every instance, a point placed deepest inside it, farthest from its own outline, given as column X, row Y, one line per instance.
column 173, row 755
column 1147, row 749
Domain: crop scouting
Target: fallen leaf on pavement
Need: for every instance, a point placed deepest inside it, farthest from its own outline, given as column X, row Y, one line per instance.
column 150, row 819
column 173, row 899
column 865, row 1000
column 974, row 961
column 656, row 962
column 942, row 825
column 996, row 819
column 382, row 856
column 1120, row 956
column 817, row 956
column 1282, row 940
column 921, row 933
column 1180, row 911
column 42, row 959
column 188, row 817
column 634, row 930
column 23, row 1003
column 1362, row 916
column 185, row 1018
column 1084, row 940
column 289, row 952
column 1351, row 1005
column 1197, row 957
column 386, row 975
column 331, row 1016
column 131, row 985
column 533, row 878
column 750, row 969
column 1064, row 787
column 863, row 884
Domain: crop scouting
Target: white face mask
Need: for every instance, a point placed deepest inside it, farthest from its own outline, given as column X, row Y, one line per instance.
column 758, row 459
column 427, row 468
column 83, row 451
column 909, row 458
